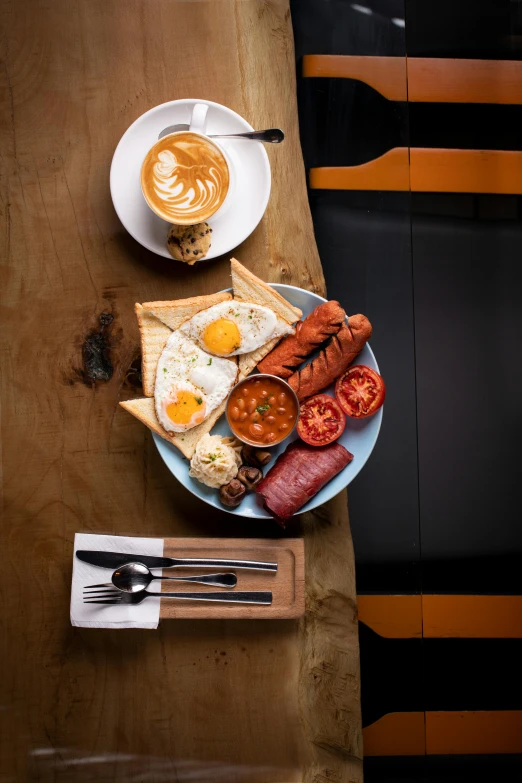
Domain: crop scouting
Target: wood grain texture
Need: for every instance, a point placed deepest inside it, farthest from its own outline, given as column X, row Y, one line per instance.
column 286, row 585
column 130, row 705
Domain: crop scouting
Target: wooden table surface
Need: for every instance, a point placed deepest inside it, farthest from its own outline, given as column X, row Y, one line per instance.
column 218, row 700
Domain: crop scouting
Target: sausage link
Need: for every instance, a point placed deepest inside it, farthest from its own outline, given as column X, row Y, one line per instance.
column 333, row 360
column 324, row 321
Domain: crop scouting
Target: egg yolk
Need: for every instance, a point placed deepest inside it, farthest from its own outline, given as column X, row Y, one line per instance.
column 222, row 337
column 187, row 409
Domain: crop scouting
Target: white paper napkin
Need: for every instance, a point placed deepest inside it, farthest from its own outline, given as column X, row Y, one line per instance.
column 144, row 615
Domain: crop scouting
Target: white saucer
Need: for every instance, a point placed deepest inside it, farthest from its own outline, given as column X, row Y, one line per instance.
column 244, row 208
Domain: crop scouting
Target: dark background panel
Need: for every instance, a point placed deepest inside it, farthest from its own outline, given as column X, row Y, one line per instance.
column 468, row 331
column 481, row 29
column 368, row 27
column 472, row 674
column 450, row 769
column 346, row 123
column 364, row 244
column 417, row 675
column 391, row 675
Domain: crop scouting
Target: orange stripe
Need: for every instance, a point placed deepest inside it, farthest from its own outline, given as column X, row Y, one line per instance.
column 463, row 733
column 387, row 75
column 465, row 171
column 389, row 172
column 443, row 616
column 429, row 80
column 396, row 734
column 392, row 616
column 472, row 616
column 464, row 81
column 430, row 171
column 444, row 733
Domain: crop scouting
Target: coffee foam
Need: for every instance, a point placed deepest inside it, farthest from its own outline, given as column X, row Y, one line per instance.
column 185, row 178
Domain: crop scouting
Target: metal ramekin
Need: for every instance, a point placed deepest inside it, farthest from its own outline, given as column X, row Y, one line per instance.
column 287, row 388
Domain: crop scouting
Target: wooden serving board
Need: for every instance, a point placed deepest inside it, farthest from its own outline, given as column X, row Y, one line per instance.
column 286, row 585
column 268, row 701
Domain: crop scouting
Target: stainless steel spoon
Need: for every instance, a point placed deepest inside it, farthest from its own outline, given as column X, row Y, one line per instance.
column 270, row 136
column 133, row 577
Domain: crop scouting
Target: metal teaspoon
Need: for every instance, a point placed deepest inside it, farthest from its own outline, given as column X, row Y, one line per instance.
column 271, row 136
column 133, row 577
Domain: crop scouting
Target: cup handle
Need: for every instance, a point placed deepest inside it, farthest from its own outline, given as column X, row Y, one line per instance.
column 198, row 121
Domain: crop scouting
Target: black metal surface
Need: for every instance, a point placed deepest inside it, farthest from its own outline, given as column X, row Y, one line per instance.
column 468, row 327
column 480, row 29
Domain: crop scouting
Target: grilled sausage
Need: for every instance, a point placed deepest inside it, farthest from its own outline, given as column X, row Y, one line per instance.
column 334, row 359
column 324, row 321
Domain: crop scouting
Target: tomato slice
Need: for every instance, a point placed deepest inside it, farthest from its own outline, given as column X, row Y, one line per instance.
column 321, row 420
column 360, row 391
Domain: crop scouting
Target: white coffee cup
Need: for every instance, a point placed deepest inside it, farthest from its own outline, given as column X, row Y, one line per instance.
column 186, row 178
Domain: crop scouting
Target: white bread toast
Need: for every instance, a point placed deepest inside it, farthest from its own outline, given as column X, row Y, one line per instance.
column 249, row 361
column 175, row 313
column 144, row 410
column 157, row 320
column 249, row 288
column 153, row 335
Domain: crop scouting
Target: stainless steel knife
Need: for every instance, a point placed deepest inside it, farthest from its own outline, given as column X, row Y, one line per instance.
column 114, row 560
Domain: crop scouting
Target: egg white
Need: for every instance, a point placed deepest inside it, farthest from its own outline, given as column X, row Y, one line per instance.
column 184, row 366
column 256, row 324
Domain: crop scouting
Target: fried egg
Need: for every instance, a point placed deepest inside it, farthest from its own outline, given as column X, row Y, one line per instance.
column 190, row 384
column 231, row 328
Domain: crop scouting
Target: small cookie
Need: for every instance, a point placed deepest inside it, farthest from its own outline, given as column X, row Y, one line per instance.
column 189, row 243
column 173, row 241
column 195, row 242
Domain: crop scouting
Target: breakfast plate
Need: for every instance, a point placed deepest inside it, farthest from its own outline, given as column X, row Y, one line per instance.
column 359, row 437
column 245, row 205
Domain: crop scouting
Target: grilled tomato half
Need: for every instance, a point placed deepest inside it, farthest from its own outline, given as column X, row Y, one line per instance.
column 360, row 391
column 321, row 420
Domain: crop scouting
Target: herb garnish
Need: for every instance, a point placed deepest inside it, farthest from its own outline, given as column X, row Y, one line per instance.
column 209, row 361
column 263, row 408
column 212, row 457
column 199, row 400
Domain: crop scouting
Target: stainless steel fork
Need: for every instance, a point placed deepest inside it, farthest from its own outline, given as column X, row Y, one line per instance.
column 116, row 597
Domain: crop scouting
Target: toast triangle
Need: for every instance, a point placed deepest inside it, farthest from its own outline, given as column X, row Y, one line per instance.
column 249, row 361
column 153, row 336
column 144, row 410
column 249, row 288
column 176, row 312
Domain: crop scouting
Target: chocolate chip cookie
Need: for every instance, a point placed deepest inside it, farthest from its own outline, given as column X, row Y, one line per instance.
column 189, row 243
column 174, row 243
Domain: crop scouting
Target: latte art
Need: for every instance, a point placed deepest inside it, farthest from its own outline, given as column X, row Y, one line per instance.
column 185, row 178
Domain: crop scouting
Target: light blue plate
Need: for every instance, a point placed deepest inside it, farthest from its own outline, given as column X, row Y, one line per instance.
column 359, row 437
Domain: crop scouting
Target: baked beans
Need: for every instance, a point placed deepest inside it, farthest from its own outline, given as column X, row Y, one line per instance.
column 261, row 410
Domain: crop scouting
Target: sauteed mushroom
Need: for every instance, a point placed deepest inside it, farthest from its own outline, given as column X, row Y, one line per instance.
column 256, row 458
column 232, row 494
column 250, row 477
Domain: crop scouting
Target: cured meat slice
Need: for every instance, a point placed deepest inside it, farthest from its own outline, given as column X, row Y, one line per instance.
column 298, row 474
